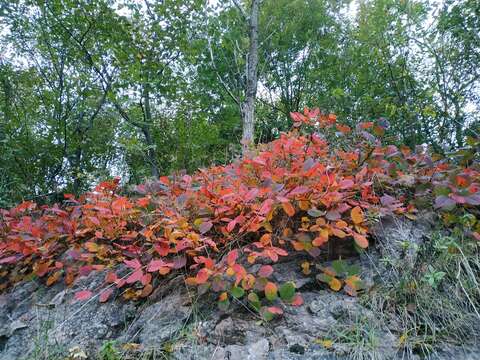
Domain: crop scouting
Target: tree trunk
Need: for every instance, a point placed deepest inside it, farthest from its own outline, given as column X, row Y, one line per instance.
column 247, row 107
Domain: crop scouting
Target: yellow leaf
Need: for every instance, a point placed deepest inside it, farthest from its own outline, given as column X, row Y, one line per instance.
column 326, row 343
column 130, row 346
column 175, row 235
column 357, row 215
column 335, row 284
column 339, row 233
column 91, row 246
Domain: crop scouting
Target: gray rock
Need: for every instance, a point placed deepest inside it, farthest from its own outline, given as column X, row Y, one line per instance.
column 400, row 238
column 33, row 317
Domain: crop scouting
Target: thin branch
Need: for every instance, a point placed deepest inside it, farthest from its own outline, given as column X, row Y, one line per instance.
column 239, row 7
column 235, row 99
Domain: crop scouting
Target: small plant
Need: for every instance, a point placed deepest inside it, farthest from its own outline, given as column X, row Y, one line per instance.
column 109, row 351
column 433, row 277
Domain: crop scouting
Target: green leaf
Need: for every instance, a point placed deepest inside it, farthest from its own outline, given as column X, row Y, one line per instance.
column 266, row 315
column 254, row 301
column 237, row 292
column 315, row 212
column 324, row 278
column 353, row 270
column 339, row 266
column 287, row 291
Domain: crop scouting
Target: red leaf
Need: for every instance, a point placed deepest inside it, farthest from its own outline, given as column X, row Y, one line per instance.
column 266, row 207
column 275, row 310
column 146, row 279
column 133, row 264
column 83, row 295
column 143, row 202
column 105, row 295
column 297, row 300
column 202, row 276
column 85, row 270
column 136, row 276
column 231, row 225
column 299, row 190
column 111, row 277
column 155, row 265
column 232, row 257
column 8, row 260
column 280, row 251
column 163, row 249
column 346, row 184
column 265, row 271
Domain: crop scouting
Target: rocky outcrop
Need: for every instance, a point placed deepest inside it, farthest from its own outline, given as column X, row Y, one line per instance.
column 39, row 322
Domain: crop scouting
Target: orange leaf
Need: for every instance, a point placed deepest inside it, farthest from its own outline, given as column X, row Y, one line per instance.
column 319, row 240
column 270, row 291
column 304, row 205
column 357, row 215
column 288, row 208
column 147, row 290
column 266, row 239
column 52, row 279
column 223, row 296
column 341, row 224
column 191, row 281
column 360, row 240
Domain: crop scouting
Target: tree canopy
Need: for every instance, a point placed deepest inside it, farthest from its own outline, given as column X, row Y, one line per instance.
column 94, row 89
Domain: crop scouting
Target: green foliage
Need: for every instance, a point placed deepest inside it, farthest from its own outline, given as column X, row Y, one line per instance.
column 95, row 89
column 109, row 351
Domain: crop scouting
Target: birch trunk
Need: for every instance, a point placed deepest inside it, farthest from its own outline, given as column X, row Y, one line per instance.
column 247, row 107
